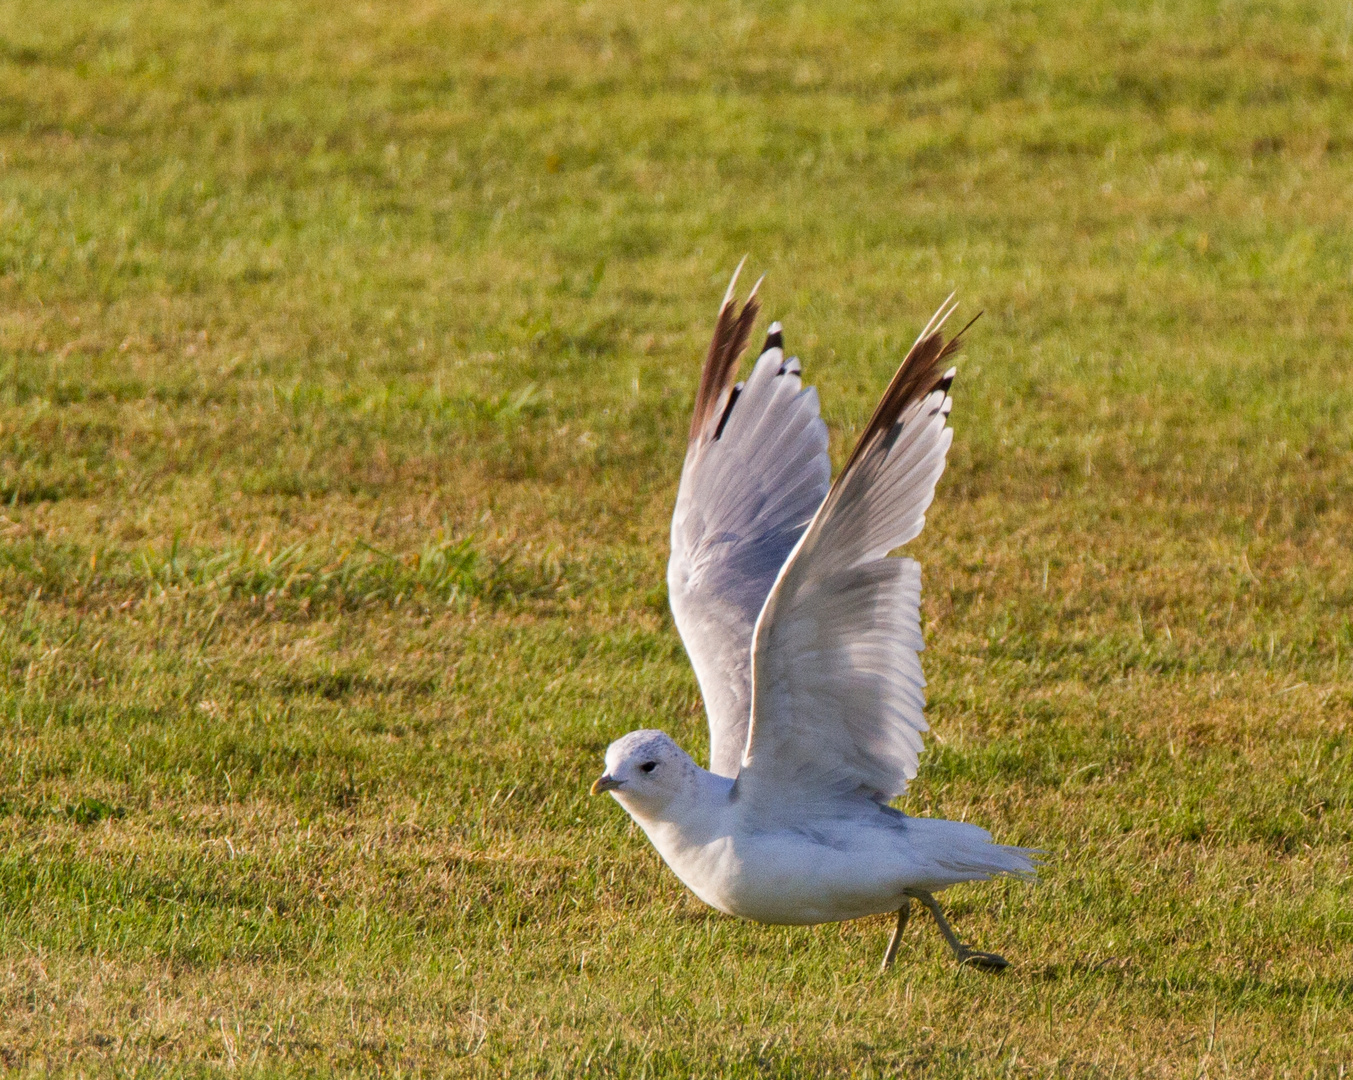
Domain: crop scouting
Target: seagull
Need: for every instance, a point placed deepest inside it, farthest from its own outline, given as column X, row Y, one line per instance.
column 805, row 637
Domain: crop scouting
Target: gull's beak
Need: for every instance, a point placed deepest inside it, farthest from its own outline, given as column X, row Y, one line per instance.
column 606, row 782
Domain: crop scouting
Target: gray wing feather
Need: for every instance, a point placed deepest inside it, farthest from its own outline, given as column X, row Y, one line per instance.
column 838, row 700
column 753, row 478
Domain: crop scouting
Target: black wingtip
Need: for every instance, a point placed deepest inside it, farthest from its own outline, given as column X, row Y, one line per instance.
column 775, row 337
column 728, row 410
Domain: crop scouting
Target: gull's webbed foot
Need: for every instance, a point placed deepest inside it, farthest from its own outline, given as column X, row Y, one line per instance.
column 987, row 961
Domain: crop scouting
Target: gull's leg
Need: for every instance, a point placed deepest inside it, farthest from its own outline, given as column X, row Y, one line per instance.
column 903, row 913
column 966, row 955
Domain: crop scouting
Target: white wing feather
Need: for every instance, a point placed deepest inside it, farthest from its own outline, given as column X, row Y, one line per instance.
column 744, row 501
column 838, row 699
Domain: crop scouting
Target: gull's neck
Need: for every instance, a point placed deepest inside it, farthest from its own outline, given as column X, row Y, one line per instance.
column 692, row 830
column 698, row 810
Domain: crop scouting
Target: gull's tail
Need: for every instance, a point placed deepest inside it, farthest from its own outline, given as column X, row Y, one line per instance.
column 957, row 851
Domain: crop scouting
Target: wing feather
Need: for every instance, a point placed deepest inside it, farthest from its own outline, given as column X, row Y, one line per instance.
column 838, row 701
column 756, row 471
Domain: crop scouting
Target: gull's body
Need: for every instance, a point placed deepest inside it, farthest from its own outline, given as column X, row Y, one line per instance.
column 805, row 637
column 820, row 866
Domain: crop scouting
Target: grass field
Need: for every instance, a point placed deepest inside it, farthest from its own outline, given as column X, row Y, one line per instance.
column 347, row 355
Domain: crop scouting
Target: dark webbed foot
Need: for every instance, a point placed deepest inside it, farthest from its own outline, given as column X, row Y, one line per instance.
column 987, row 961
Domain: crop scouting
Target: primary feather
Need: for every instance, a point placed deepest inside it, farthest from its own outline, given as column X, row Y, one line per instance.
column 756, row 470
column 838, row 703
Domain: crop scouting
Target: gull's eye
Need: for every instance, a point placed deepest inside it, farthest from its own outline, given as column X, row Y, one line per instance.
column 648, row 766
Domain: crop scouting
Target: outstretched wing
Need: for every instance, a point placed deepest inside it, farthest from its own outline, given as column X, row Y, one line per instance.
column 838, row 703
column 756, row 470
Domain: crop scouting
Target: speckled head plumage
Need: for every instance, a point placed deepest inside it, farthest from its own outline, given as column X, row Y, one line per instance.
column 646, row 768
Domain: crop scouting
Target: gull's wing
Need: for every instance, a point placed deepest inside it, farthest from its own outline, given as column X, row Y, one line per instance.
column 756, row 470
column 838, row 706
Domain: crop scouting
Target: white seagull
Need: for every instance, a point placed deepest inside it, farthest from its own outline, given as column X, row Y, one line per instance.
column 805, row 637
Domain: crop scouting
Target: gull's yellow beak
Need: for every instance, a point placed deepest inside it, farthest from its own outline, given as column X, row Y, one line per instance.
column 605, row 782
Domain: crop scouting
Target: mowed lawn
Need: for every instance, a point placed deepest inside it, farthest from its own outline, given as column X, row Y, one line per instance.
column 347, row 355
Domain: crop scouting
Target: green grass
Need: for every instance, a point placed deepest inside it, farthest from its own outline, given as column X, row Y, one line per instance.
column 346, row 353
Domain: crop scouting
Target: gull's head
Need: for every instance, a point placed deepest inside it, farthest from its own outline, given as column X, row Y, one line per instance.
column 645, row 770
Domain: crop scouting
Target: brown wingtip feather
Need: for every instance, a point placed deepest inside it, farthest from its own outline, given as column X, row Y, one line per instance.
column 732, row 330
column 921, row 371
